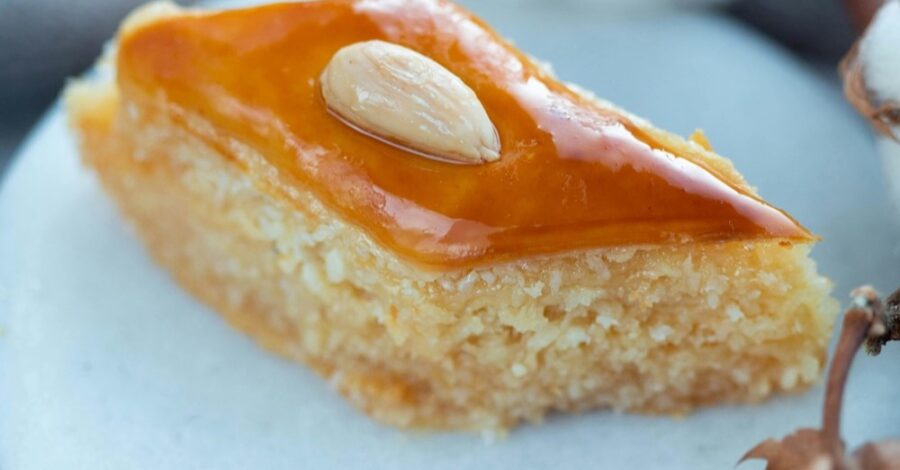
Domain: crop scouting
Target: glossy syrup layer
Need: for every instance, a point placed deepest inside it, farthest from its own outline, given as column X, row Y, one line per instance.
column 572, row 174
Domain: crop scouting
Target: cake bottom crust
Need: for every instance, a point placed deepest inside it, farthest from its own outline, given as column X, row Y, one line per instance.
column 646, row 329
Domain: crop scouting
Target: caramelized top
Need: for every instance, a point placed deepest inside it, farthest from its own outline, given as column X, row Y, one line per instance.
column 572, row 174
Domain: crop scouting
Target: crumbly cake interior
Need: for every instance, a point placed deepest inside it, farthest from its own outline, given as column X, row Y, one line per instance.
column 657, row 329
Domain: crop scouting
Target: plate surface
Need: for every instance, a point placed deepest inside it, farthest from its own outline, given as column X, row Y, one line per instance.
column 106, row 363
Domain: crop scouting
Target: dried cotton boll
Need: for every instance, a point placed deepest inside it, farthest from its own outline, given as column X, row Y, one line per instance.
column 872, row 84
column 880, row 54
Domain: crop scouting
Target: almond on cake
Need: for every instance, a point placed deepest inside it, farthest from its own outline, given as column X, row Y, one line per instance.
column 390, row 193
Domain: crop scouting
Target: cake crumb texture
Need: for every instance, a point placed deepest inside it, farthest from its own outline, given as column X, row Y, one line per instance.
column 651, row 329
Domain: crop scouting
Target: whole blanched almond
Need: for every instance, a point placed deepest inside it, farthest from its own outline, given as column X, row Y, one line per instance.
column 397, row 94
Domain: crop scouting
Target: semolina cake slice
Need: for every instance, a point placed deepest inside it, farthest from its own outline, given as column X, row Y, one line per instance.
column 390, row 193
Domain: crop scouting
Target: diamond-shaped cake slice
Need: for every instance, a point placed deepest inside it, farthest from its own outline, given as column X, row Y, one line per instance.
column 390, row 193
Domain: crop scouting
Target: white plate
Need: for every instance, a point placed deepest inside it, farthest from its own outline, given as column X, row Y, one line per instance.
column 106, row 363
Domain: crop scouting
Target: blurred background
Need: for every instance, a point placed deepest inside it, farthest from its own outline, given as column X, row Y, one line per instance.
column 44, row 41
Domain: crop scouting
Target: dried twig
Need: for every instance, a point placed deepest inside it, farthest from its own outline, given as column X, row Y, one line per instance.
column 869, row 322
column 890, row 319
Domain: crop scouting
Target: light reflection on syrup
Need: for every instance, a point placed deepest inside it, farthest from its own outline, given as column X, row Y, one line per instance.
column 571, row 174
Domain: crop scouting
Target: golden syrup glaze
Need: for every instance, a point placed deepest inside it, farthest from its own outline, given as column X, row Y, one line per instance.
column 572, row 174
